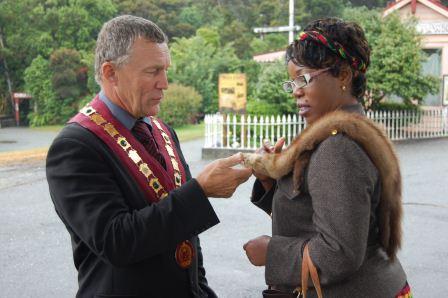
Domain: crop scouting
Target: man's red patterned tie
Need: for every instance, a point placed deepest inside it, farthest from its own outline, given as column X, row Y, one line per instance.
column 142, row 131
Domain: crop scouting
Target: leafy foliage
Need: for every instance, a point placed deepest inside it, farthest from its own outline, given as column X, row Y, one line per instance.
column 198, row 63
column 395, row 59
column 38, row 82
column 49, row 45
column 269, row 90
column 174, row 17
column 271, row 43
column 307, row 11
column 33, row 29
column 180, row 106
column 69, row 74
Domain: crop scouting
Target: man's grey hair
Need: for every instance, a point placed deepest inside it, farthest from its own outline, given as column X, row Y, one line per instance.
column 117, row 36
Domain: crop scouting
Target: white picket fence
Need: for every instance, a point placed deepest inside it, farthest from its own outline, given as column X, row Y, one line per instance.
column 248, row 132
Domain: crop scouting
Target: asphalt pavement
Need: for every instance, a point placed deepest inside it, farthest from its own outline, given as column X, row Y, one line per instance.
column 23, row 138
column 35, row 251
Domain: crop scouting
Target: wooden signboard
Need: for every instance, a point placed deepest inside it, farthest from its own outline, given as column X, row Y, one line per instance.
column 232, row 92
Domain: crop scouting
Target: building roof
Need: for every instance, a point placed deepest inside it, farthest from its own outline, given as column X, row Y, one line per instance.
column 270, row 57
column 433, row 4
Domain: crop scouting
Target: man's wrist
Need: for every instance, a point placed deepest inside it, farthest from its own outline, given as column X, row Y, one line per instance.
column 200, row 187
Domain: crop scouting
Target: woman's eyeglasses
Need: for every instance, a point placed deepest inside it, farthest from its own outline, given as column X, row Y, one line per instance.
column 302, row 80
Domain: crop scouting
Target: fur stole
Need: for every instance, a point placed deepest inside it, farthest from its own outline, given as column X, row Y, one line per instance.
column 373, row 141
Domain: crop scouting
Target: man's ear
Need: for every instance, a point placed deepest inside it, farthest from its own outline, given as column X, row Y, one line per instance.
column 345, row 75
column 109, row 73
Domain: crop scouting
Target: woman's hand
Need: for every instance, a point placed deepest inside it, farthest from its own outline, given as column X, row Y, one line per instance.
column 256, row 250
column 267, row 181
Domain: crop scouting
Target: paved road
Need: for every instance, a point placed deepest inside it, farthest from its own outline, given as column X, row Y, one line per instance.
column 22, row 138
column 35, row 253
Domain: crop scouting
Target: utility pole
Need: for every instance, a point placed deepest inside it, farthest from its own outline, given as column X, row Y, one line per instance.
column 291, row 20
column 291, row 28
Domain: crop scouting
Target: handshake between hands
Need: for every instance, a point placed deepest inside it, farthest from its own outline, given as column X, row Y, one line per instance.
column 220, row 178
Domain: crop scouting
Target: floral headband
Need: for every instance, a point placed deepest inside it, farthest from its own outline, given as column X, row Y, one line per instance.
column 335, row 47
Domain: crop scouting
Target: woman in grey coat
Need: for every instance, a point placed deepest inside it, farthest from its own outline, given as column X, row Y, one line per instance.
column 335, row 192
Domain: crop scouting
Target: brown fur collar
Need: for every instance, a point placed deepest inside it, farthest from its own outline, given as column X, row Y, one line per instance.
column 374, row 142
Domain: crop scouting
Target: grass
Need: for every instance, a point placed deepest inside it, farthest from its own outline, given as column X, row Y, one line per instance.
column 55, row 128
column 190, row 132
column 185, row 133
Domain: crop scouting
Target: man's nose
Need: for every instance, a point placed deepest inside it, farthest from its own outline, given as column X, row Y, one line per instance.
column 162, row 82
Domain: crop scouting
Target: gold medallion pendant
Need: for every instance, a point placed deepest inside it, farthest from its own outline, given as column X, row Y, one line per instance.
column 184, row 254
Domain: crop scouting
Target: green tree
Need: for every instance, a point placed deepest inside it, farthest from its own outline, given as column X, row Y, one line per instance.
column 15, row 50
column 252, row 70
column 56, row 85
column 169, row 15
column 69, row 74
column 307, row 11
column 198, row 63
column 92, row 88
column 396, row 58
column 210, row 36
column 211, row 12
column 33, row 27
column 272, row 13
column 38, row 82
column 191, row 15
column 269, row 95
column 239, row 36
column 181, row 105
column 270, row 43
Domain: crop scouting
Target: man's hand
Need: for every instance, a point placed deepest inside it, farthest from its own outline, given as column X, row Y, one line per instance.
column 220, row 180
column 256, row 250
column 266, row 181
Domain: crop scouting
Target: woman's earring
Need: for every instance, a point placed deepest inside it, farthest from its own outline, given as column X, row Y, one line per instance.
column 343, row 88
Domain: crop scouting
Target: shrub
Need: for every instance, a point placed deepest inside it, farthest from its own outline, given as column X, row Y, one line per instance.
column 255, row 107
column 396, row 59
column 198, row 61
column 269, row 90
column 38, row 84
column 180, row 106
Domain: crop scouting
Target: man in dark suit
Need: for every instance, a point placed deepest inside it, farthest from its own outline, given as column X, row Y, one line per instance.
column 120, row 183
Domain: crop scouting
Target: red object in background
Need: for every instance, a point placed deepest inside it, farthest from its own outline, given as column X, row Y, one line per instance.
column 17, row 98
column 413, row 6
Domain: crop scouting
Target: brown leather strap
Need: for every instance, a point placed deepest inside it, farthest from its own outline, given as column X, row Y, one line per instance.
column 307, row 269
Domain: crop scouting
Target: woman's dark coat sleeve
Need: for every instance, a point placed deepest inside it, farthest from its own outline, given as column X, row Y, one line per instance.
column 262, row 198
